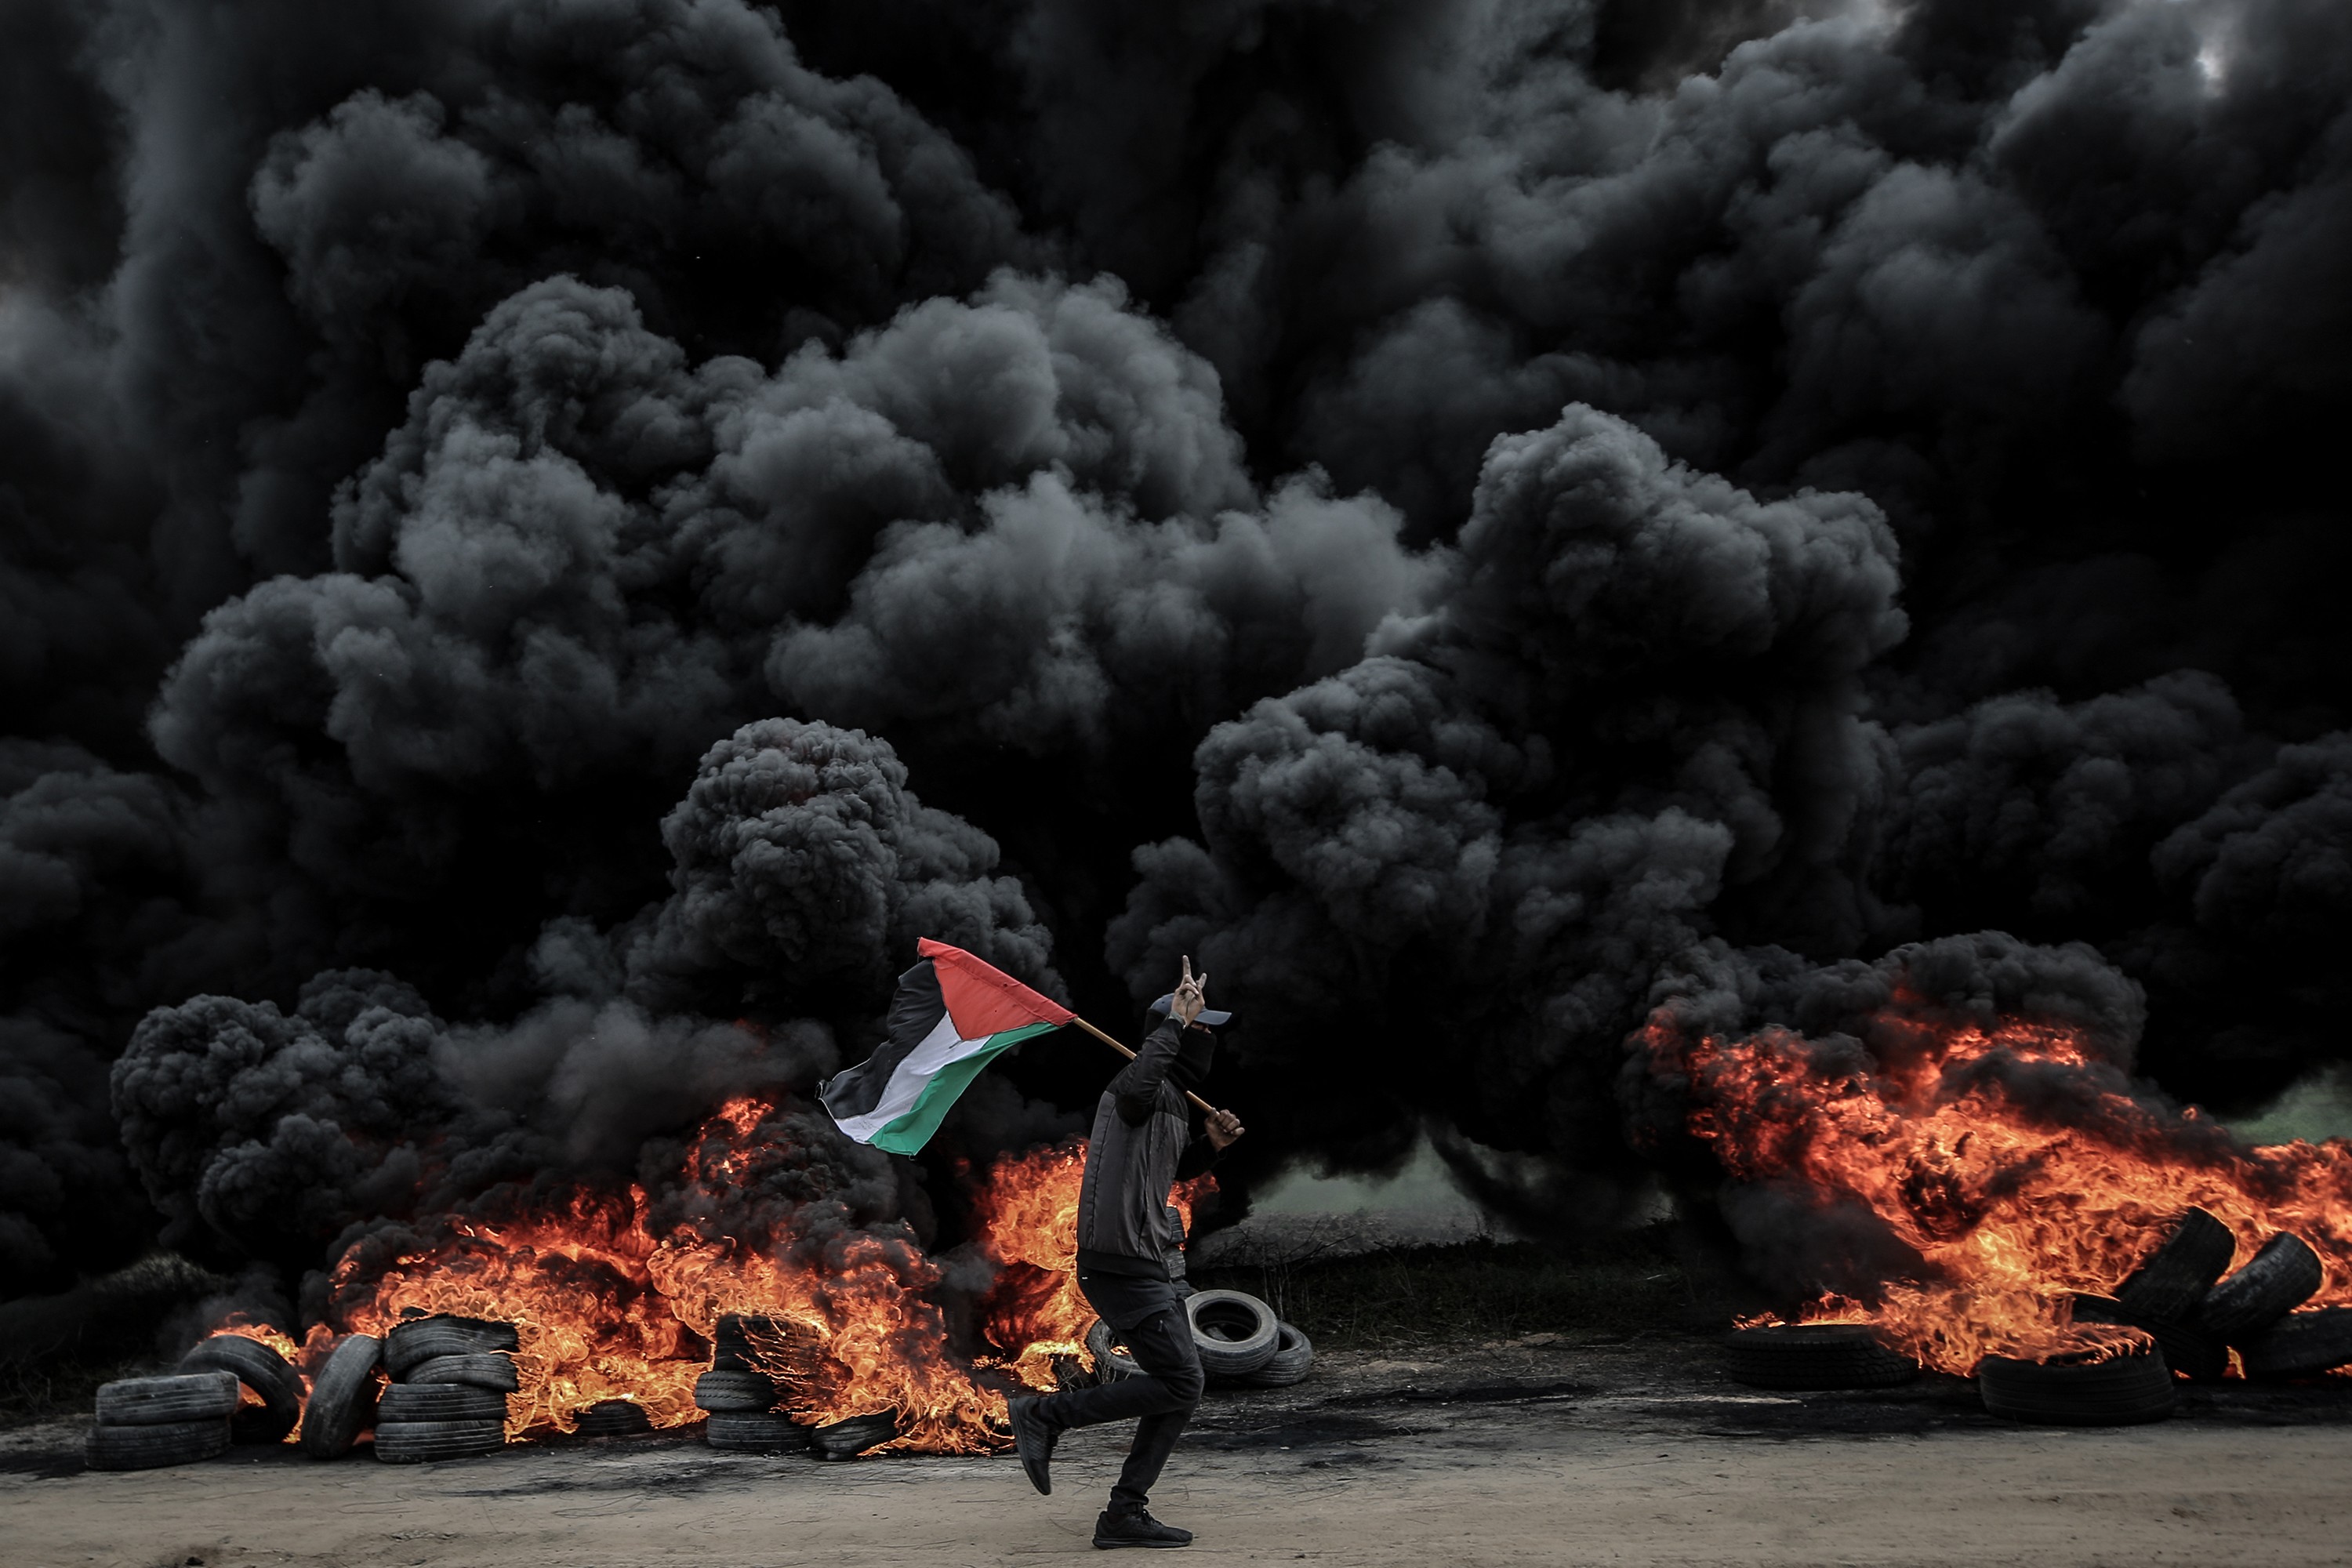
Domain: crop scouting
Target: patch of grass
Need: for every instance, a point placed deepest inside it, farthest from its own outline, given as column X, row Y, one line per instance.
column 1474, row 1292
column 55, row 1350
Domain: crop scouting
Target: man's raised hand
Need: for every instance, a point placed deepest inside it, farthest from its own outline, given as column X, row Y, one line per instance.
column 1223, row 1128
column 1191, row 994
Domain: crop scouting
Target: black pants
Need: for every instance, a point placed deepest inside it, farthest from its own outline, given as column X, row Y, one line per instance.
column 1151, row 1322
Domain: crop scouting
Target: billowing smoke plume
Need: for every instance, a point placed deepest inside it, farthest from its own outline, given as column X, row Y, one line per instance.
column 542, row 543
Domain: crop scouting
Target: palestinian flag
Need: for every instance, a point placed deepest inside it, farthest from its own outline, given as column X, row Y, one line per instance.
column 953, row 1016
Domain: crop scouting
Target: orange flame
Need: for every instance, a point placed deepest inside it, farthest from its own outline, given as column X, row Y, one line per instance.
column 609, row 1302
column 2017, row 1165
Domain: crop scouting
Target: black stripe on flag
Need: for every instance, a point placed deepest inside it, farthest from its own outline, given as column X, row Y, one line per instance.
column 916, row 1010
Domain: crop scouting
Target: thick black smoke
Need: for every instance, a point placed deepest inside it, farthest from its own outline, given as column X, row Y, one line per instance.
column 543, row 542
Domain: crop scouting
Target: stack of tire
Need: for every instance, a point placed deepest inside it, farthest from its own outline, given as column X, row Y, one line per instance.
column 2196, row 1320
column 448, row 1398
column 738, row 1401
column 144, row 1422
column 1242, row 1344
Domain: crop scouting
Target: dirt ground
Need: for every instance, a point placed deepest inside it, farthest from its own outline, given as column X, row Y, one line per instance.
column 1552, row 1453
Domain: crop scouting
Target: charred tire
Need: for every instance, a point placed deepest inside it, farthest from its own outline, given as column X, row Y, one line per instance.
column 724, row 1388
column 161, row 1401
column 2187, row 1347
column 2276, row 1280
column 732, row 1341
column 1814, row 1355
column 1294, row 1352
column 758, row 1431
column 2301, row 1344
column 441, row 1402
column 493, row 1370
column 166, row 1443
column 413, row 1442
column 613, row 1418
column 1234, row 1331
column 2177, row 1275
column 260, row 1369
column 2124, row 1392
column 1111, row 1360
column 847, row 1439
column 343, row 1400
column 420, row 1339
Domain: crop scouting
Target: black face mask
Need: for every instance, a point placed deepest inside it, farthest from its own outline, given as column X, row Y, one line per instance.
column 1194, row 1059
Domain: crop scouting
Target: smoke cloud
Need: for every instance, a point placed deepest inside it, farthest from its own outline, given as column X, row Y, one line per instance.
column 544, row 542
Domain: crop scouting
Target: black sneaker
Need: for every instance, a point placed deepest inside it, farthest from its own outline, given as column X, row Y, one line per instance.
column 1138, row 1529
column 1033, row 1441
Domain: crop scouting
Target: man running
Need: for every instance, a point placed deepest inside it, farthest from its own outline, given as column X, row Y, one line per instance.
column 1142, row 1146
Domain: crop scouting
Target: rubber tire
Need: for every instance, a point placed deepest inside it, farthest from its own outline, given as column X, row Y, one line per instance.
column 2301, row 1344
column 416, row 1442
column 441, row 1402
column 613, row 1418
column 724, row 1388
column 2177, row 1275
column 1814, row 1356
column 1239, row 1356
column 1294, row 1352
column 847, row 1439
column 1175, row 1218
column 419, row 1339
column 493, row 1370
column 270, row 1376
column 2124, row 1392
column 731, row 1340
column 343, row 1398
column 2276, row 1280
column 1111, row 1363
column 754, row 1431
column 147, row 1448
column 169, row 1400
column 2187, row 1347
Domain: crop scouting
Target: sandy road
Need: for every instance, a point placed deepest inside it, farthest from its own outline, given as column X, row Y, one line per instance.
column 1562, row 1481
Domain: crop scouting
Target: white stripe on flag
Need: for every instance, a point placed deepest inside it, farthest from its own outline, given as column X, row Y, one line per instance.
column 918, row 1068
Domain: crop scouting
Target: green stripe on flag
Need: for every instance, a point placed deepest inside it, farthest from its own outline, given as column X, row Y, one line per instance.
column 907, row 1134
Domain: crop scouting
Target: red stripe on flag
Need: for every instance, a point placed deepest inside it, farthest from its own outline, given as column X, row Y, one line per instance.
column 983, row 1000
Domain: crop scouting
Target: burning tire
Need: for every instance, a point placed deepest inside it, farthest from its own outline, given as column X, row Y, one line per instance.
column 847, row 1439
column 343, row 1400
column 2187, row 1347
column 2280, row 1277
column 179, row 1397
column 2177, row 1275
column 2121, row 1392
column 613, row 1418
column 1111, row 1360
column 440, row 1401
column 420, row 1339
column 2301, row 1344
column 726, row 1389
column 413, row 1442
column 732, row 1341
column 164, row 1443
column 493, row 1370
column 1814, row 1356
column 757, row 1431
column 1236, row 1332
column 260, row 1369
column 1294, row 1352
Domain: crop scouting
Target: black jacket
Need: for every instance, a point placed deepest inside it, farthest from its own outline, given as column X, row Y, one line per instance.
column 1141, row 1145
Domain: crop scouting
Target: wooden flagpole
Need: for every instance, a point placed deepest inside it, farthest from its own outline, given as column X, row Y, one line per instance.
column 1129, row 1055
